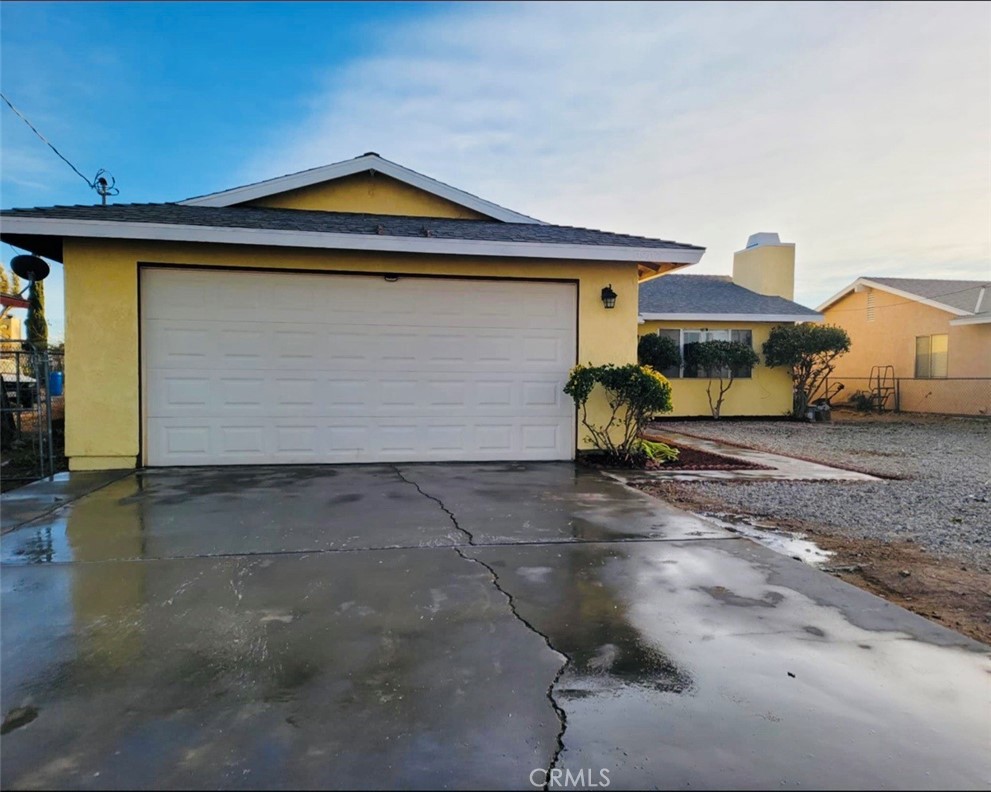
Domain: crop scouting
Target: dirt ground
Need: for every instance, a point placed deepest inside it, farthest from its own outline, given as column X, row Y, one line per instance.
column 939, row 588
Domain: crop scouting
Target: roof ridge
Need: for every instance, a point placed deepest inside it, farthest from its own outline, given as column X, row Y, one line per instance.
column 353, row 166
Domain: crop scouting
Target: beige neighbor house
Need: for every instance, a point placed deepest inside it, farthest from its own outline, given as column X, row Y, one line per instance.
column 745, row 308
column 934, row 333
column 357, row 312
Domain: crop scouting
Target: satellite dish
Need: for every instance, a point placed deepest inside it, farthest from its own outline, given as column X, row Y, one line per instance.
column 31, row 268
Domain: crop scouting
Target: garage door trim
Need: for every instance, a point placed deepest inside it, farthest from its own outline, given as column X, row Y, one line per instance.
column 233, row 268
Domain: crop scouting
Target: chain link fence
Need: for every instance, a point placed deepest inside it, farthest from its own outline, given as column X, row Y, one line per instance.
column 949, row 396
column 32, row 413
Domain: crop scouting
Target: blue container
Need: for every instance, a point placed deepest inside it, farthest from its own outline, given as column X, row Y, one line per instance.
column 56, row 383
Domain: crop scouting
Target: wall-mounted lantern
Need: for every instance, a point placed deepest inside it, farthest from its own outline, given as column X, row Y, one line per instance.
column 609, row 297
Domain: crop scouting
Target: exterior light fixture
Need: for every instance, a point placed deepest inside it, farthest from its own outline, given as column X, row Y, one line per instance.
column 609, row 297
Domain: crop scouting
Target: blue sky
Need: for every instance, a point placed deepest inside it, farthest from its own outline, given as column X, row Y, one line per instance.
column 859, row 131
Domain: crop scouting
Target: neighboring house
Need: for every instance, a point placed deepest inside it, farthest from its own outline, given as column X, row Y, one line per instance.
column 689, row 308
column 935, row 333
column 10, row 325
column 358, row 312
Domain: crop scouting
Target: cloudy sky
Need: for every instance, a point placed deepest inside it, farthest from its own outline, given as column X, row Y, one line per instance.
column 860, row 132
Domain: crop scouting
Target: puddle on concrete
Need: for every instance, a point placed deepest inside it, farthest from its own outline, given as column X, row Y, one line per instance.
column 787, row 543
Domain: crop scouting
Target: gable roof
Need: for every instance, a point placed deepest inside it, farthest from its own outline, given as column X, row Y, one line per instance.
column 338, row 230
column 715, row 297
column 963, row 298
column 366, row 162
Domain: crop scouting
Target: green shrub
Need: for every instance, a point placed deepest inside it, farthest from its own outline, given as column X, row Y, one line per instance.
column 810, row 351
column 720, row 361
column 634, row 394
column 658, row 352
column 659, row 452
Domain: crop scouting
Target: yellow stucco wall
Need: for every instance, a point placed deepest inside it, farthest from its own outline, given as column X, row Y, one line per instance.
column 101, row 306
column 10, row 327
column 890, row 338
column 767, row 392
column 766, row 269
column 370, row 193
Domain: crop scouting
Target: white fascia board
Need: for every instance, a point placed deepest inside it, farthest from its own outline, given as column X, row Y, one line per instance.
column 714, row 317
column 163, row 232
column 984, row 318
column 862, row 283
column 840, row 295
column 307, row 178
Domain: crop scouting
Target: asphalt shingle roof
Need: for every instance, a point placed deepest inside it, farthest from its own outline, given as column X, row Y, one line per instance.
column 711, row 294
column 343, row 223
column 959, row 294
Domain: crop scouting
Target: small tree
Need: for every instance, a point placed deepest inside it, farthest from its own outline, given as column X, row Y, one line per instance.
column 4, row 280
column 634, row 394
column 658, row 352
column 37, row 329
column 722, row 362
column 810, row 351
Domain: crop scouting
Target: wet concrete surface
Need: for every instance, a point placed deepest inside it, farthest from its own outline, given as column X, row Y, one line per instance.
column 41, row 497
column 431, row 626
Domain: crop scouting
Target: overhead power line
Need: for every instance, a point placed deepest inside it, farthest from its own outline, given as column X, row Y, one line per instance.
column 45, row 140
column 104, row 186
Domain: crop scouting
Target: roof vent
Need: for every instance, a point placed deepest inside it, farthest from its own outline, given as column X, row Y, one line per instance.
column 763, row 238
column 371, row 154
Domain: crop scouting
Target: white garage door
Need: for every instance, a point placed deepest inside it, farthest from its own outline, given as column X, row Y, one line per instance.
column 250, row 368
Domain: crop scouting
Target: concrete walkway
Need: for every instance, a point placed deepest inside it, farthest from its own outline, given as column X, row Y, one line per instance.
column 781, row 468
column 455, row 626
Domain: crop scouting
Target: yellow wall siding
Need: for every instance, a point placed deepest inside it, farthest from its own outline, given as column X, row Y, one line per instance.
column 10, row 327
column 766, row 269
column 101, row 352
column 970, row 350
column 767, row 392
column 369, row 193
column 890, row 338
column 102, row 374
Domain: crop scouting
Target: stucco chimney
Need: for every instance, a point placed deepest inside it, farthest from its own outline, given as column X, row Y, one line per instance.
column 766, row 266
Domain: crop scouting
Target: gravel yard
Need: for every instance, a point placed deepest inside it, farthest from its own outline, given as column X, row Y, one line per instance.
column 941, row 500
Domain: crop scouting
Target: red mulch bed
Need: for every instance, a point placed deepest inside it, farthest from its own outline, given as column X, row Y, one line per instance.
column 688, row 459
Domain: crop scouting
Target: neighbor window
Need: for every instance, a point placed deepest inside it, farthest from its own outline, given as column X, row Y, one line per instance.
column 685, row 337
column 931, row 356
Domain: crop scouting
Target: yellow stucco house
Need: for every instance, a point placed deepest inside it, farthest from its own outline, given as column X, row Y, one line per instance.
column 358, row 312
column 934, row 333
column 744, row 307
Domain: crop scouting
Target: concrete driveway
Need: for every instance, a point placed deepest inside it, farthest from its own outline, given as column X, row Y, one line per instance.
column 430, row 626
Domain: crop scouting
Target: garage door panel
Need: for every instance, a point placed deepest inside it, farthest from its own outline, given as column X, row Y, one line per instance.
column 218, row 394
column 297, row 368
column 247, row 346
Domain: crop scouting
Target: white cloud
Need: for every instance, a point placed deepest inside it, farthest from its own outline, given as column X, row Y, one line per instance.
column 861, row 132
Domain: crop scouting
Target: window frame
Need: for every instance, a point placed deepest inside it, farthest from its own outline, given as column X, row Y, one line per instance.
column 706, row 334
column 924, row 368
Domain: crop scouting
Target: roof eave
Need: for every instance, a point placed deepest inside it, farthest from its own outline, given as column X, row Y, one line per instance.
column 860, row 283
column 729, row 317
column 367, row 162
column 982, row 318
column 50, row 228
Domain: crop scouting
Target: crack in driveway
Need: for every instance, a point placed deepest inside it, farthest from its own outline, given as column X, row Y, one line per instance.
column 562, row 716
